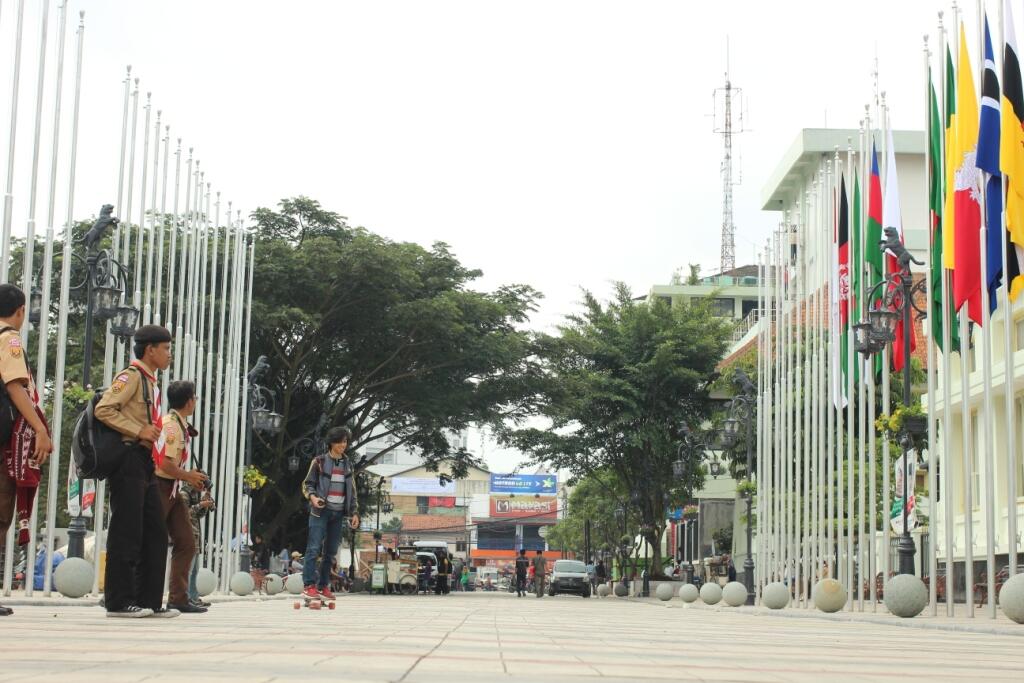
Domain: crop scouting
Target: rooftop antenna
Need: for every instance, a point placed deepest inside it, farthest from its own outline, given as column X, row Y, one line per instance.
column 724, row 126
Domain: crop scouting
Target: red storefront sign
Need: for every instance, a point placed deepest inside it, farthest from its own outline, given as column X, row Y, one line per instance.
column 441, row 501
column 522, row 507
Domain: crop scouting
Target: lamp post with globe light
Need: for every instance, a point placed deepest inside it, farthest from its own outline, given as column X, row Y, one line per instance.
column 743, row 408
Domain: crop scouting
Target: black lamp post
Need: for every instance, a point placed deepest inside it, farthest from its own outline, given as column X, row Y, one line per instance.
column 105, row 282
column 262, row 418
column 895, row 299
column 743, row 408
column 380, row 504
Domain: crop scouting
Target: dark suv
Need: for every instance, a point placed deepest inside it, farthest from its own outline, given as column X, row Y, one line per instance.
column 569, row 576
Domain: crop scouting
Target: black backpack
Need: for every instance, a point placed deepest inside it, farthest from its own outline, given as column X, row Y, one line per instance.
column 97, row 448
column 8, row 411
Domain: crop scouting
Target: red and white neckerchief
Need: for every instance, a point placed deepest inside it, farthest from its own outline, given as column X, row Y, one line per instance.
column 156, row 413
column 185, row 438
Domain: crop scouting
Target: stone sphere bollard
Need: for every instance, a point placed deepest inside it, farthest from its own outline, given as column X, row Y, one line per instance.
column 274, row 584
column 775, row 595
column 734, row 594
column 603, row 591
column 665, row 591
column 73, row 577
column 1011, row 598
column 829, row 595
column 688, row 593
column 711, row 593
column 905, row 595
column 241, row 583
column 620, row 590
column 206, row 581
column 293, row 584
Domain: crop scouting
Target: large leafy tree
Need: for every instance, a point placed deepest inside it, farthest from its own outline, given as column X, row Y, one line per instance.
column 386, row 337
column 620, row 382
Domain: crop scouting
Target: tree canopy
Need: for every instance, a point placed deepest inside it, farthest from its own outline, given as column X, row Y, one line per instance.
column 619, row 384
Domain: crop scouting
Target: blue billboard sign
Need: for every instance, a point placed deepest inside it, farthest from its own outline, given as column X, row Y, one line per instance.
column 524, row 483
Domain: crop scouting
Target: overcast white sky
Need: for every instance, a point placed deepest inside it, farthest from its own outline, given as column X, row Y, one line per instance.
column 559, row 144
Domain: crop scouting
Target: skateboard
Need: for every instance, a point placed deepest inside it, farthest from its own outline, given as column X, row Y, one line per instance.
column 314, row 603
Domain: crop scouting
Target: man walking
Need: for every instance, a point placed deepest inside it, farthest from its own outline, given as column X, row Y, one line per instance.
column 29, row 446
column 171, row 457
column 137, row 535
column 522, row 568
column 330, row 488
column 540, row 568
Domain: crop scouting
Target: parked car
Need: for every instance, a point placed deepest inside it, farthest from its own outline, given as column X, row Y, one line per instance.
column 569, row 576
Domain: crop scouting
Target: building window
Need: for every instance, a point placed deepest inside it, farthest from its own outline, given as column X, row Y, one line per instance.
column 423, row 504
column 722, row 307
column 460, row 546
column 1019, row 325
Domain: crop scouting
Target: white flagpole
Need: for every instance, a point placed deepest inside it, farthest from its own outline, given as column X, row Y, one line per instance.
column 30, row 246
column 798, row 391
column 886, row 401
column 126, row 226
column 5, row 247
column 778, row 492
column 147, row 309
column 219, row 391
column 53, row 482
column 159, row 224
column 932, row 459
column 137, row 297
column 208, row 383
column 179, row 341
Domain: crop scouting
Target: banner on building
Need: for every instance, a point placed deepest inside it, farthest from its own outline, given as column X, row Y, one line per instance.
column 441, row 501
column 896, row 513
column 524, row 483
column 516, row 507
column 421, row 486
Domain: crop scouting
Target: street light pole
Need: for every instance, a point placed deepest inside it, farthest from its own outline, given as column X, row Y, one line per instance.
column 906, row 548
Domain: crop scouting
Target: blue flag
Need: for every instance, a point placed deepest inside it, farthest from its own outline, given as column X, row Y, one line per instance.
column 988, row 161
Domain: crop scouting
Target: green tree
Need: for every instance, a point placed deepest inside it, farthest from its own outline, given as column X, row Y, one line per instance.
column 620, row 383
column 384, row 336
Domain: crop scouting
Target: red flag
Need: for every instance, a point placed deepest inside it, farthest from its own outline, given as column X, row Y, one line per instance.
column 967, row 196
column 843, row 240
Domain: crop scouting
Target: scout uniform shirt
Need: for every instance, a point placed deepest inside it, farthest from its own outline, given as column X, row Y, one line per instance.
column 123, row 406
column 13, row 367
column 174, row 437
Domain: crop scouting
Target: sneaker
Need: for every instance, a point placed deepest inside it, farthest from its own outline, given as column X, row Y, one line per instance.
column 187, row 608
column 199, row 603
column 130, row 612
column 166, row 613
column 311, row 593
column 326, row 593
column 5, row 611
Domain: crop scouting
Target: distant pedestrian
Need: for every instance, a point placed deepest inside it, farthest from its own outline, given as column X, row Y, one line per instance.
column 601, row 573
column 522, row 569
column 464, row 579
column 540, row 569
column 444, row 570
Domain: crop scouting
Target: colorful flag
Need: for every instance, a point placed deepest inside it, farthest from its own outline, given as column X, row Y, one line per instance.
column 988, row 161
column 892, row 218
column 1011, row 157
column 936, row 196
column 967, row 189
column 872, row 254
column 88, row 493
column 952, row 161
column 843, row 242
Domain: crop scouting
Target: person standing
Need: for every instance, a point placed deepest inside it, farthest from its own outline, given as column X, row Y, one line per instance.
column 137, row 534
column 330, row 488
column 522, row 569
column 600, row 573
column 199, row 504
column 171, row 461
column 24, row 455
column 444, row 569
column 464, row 578
column 540, row 569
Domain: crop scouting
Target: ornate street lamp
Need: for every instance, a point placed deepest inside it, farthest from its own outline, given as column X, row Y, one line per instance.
column 35, row 305
column 894, row 299
column 743, row 408
column 261, row 419
column 293, row 462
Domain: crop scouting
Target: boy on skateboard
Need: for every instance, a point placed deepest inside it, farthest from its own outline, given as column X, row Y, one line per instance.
column 330, row 488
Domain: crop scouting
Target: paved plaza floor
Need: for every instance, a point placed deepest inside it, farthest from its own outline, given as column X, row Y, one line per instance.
column 490, row 637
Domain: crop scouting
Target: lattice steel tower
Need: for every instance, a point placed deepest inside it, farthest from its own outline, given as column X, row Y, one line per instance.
column 724, row 101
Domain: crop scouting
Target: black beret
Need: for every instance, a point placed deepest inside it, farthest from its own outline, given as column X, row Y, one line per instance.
column 152, row 334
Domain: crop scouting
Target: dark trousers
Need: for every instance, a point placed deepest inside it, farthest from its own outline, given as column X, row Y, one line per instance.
column 441, row 585
column 137, row 537
column 179, row 526
column 325, row 530
column 520, row 584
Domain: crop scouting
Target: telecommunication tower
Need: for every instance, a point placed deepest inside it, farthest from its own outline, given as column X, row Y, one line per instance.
column 726, row 99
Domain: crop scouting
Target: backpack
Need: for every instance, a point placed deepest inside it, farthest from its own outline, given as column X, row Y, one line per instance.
column 97, row 448
column 8, row 411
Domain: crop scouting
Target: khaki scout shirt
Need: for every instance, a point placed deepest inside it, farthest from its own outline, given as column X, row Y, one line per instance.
column 13, row 367
column 175, row 441
column 123, row 406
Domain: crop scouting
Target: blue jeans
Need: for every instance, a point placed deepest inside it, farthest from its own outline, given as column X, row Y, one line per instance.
column 193, row 592
column 325, row 532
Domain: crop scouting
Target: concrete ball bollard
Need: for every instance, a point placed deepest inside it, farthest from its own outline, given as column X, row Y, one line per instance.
column 665, row 591
column 241, row 583
column 734, row 594
column 293, row 584
column 905, row 595
column 620, row 591
column 711, row 593
column 73, row 577
column 775, row 595
column 206, row 581
column 274, row 584
column 603, row 591
column 1011, row 598
column 829, row 595
column 688, row 593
